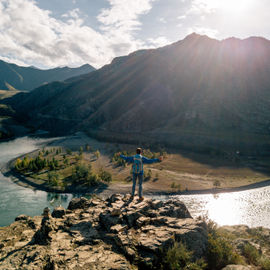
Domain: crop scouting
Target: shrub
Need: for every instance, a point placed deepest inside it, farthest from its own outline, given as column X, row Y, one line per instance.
column 69, row 152
column 175, row 186
column 81, row 172
column 25, row 162
column 251, row 254
column 117, row 160
column 105, row 176
column 179, row 257
column 53, row 178
column 264, row 263
column 92, row 180
column 216, row 183
column 220, row 252
column 18, row 164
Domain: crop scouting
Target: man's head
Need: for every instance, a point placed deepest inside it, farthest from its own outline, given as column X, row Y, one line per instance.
column 139, row 150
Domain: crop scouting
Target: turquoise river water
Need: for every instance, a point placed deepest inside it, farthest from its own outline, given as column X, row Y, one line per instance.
column 251, row 207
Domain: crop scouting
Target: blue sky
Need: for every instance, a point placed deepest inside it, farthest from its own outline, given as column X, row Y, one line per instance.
column 50, row 33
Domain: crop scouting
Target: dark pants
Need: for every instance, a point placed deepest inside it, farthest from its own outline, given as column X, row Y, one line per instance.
column 140, row 177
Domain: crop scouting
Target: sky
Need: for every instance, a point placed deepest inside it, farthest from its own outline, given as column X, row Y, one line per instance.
column 52, row 33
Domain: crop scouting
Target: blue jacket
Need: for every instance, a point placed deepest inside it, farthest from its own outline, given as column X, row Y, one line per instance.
column 144, row 160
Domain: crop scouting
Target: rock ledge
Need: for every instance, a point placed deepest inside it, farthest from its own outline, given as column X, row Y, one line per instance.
column 116, row 233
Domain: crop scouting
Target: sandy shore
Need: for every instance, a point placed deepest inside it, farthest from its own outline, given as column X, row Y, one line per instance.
column 149, row 188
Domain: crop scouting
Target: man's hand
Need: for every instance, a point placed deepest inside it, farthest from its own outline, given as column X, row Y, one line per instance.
column 160, row 158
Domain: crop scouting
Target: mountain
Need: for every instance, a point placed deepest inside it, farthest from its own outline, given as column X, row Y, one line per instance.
column 28, row 78
column 195, row 92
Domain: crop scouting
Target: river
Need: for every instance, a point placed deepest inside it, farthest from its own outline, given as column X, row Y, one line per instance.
column 251, row 207
column 16, row 200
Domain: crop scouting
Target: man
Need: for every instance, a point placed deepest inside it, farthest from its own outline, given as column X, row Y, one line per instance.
column 137, row 169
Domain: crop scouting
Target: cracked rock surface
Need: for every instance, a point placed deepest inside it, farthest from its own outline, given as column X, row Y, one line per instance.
column 116, row 233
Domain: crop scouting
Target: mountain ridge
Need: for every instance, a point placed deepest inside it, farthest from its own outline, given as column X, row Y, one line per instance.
column 193, row 88
column 28, row 78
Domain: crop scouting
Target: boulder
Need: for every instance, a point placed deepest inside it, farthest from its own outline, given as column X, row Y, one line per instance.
column 114, row 198
column 21, row 217
column 58, row 212
column 107, row 220
column 176, row 209
column 79, row 203
column 28, row 220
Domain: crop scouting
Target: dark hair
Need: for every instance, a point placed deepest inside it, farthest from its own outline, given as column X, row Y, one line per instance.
column 139, row 150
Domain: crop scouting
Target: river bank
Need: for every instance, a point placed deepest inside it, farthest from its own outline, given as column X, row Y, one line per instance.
column 250, row 207
column 107, row 190
column 190, row 184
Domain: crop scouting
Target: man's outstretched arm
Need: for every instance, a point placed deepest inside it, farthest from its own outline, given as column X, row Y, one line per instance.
column 127, row 159
column 151, row 160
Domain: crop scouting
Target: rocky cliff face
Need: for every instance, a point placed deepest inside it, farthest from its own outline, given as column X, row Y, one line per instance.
column 100, row 234
column 118, row 233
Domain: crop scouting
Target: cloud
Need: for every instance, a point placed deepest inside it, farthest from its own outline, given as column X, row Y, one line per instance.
column 74, row 14
column 182, row 17
column 31, row 35
column 158, row 42
column 162, row 20
column 199, row 7
column 121, row 21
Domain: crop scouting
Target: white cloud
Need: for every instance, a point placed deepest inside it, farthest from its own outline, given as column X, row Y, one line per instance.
column 182, row 17
column 31, row 35
column 74, row 13
column 202, row 7
column 158, row 42
column 121, row 21
column 162, row 20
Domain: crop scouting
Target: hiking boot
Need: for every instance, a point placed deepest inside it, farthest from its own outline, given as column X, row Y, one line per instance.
column 141, row 199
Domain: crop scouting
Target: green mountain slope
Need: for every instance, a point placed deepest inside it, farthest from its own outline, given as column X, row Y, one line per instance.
column 28, row 78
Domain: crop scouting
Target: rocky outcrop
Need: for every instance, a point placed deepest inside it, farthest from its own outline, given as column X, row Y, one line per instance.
column 116, row 233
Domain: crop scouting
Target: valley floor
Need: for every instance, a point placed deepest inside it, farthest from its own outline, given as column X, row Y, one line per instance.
column 179, row 172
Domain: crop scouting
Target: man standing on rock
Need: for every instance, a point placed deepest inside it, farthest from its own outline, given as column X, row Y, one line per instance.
column 137, row 169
